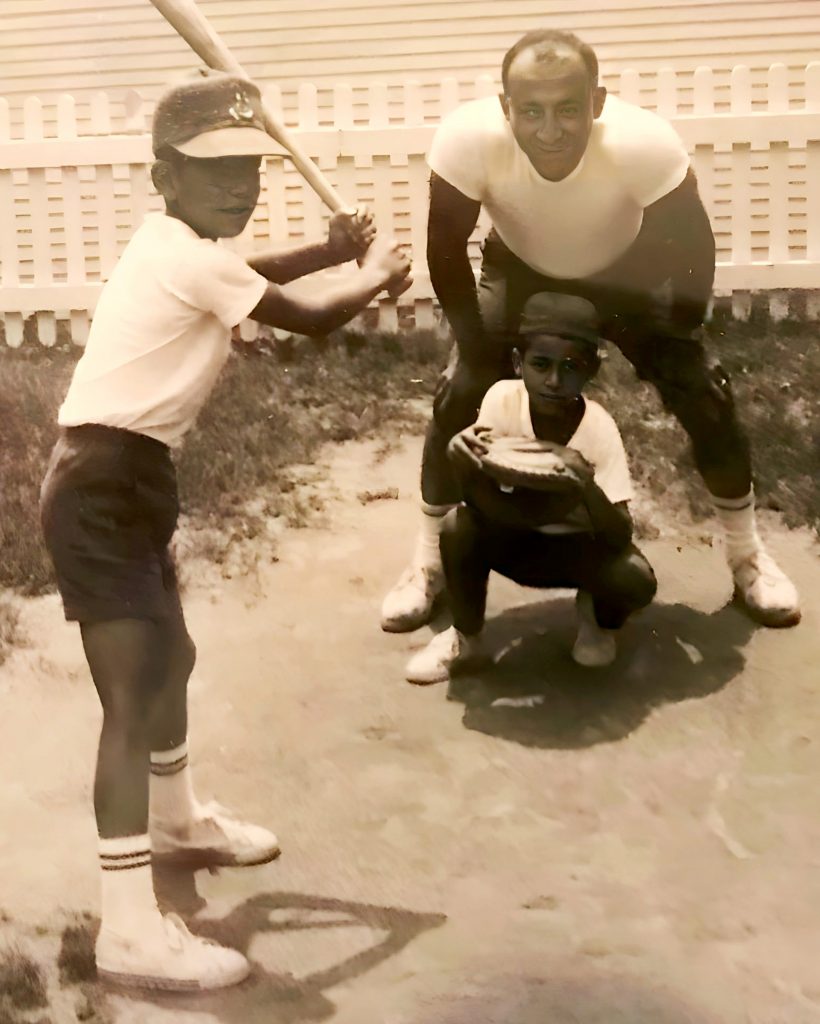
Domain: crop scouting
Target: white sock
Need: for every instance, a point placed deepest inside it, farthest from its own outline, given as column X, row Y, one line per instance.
column 737, row 516
column 128, row 901
column 427, row 553
column 173, row 803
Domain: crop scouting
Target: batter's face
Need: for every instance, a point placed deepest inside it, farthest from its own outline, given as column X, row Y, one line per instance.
column 555, row 371
column 214, row 197
column 551, row 108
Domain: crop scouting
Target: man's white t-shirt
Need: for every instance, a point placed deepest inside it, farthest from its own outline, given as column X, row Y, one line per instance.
column 506, row 411
column 572, row 228
column 161, row 332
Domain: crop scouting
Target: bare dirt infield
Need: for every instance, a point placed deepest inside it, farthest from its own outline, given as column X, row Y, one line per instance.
column 638, row 845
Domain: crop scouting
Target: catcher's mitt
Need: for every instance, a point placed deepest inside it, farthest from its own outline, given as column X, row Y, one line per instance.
column 528, row 462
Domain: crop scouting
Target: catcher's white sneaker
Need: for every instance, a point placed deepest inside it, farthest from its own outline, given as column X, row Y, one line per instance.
column 168, row 957
column 214, row 837
column 445, row 652
column 765, row 591
column 594, row 647
column 409, row 604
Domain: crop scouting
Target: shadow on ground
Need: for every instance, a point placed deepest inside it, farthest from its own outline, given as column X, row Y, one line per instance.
column 536, row 695
column 564, row 997
column 271, row 996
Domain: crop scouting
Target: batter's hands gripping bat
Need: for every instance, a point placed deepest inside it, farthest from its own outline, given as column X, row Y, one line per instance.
column 193, row 26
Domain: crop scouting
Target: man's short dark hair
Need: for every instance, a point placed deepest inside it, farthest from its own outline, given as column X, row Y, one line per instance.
column 546, row 40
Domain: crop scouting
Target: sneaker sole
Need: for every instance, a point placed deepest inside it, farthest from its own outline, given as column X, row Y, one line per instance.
column 773, row 618
column 213, row 858
column 410, row 623
column 120, row 979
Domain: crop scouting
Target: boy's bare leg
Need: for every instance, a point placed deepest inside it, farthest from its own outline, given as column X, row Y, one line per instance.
column 130, row 661
column 124, row 656
column 183, row 829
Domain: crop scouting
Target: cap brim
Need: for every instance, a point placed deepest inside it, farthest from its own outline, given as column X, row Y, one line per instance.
column 240, row 141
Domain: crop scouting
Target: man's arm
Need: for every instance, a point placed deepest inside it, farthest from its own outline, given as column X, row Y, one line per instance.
column 680, row 221
column 452, row 219
column 349, row 235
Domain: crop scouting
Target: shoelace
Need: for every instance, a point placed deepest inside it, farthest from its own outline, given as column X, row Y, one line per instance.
column 179, row 936
column 765, row 565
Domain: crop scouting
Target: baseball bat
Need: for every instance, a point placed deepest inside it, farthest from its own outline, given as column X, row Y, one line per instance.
column 196, row 30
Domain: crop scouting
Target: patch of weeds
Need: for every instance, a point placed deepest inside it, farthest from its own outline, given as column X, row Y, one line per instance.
column 75, row 961
column 92, row 1006
column 22, row 983
column 388, row 494
column 10, row 634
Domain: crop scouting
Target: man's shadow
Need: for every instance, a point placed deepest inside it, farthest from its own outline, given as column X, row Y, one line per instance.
column 535, row 694
column 279, row 997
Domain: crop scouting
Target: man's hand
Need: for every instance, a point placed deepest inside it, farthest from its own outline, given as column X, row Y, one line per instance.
column 350, row 234
column 467, row 449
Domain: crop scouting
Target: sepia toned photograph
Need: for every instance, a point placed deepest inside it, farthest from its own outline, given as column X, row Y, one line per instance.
column 409, row 512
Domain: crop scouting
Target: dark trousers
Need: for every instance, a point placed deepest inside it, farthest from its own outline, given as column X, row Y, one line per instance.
column 620, row 581
column 631, row 298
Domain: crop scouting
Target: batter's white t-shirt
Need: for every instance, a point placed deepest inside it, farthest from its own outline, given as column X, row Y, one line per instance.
column 161, row 332
column 506, row 411
column 575, row 227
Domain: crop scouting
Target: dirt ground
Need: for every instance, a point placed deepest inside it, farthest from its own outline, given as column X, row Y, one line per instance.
column 542, row 844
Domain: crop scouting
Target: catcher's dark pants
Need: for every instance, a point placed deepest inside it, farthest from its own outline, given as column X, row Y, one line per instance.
column 629, row 297
column 620, row 580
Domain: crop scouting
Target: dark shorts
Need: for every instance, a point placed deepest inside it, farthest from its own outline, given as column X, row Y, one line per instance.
column 109, row 508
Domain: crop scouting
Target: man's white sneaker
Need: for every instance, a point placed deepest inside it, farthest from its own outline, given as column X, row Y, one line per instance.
column 446, row 651
column 594, row 647
column 168, row 957
column 409, row 604
column 765, row 591
column 216, row 838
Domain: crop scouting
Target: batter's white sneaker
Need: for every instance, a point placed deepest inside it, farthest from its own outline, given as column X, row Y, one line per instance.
column 594, row 647
column 168, row 958
column 445, row 652
column 765, row 591
column 409, row 604
column 214, row 837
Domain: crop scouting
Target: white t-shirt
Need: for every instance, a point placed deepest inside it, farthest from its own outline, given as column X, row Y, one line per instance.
column 506, row 411
column 572, row 228
column 161, row 332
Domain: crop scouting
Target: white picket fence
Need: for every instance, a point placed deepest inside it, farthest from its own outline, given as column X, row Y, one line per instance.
column 72, row 193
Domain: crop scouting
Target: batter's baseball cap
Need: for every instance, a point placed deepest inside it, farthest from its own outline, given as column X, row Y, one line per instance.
column 565, row 316
column 212, row 115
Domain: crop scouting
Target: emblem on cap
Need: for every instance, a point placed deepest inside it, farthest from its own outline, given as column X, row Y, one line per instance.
column 241, row 109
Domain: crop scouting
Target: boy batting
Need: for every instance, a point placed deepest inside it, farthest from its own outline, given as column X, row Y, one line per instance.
column 160, row 336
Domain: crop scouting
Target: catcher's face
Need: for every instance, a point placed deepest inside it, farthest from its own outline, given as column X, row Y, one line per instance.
column 554, row 371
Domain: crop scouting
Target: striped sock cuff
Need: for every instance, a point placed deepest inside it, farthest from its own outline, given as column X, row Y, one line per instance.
column 169, row 762
column 123, row 853
column 734, row 504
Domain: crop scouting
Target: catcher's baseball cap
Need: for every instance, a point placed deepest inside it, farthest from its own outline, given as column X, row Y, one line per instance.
column 566, row 316
column 212, row 115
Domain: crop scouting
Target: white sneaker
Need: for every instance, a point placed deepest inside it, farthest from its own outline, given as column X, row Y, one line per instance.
column 445, row 652
column 216, row 838
column 168, row 958
column 768, row 595
column 410, row 603
column 594, row 647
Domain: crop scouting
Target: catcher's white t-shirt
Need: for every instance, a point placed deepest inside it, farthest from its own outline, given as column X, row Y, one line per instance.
column 506, row 411
column 161, row 332
column 575, row 227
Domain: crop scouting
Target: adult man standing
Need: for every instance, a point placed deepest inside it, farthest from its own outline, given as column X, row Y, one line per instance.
column 590, row 195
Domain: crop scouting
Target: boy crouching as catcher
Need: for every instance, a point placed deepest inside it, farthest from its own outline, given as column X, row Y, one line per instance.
column 160, row 335
column 582, row 540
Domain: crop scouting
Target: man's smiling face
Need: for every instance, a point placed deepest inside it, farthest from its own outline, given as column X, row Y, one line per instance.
column 551, row 106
